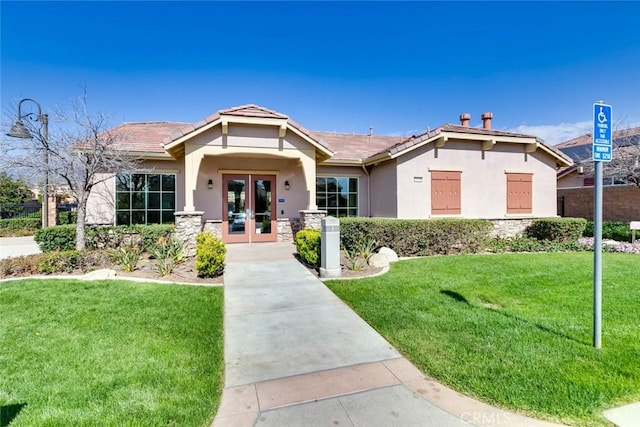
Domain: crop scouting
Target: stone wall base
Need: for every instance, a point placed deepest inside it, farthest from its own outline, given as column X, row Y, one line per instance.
column 287, row 229
column 312, row 219
column 510, row 227
column 188, row 224
column 213, row 226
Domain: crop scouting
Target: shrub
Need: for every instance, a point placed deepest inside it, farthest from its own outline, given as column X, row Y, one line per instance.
column 528, row 244
column 59, row 238
column 19, row 225
column 210, row 253
column 618, row 231
column 69, row 217
column 308, row 245
column 59, row 262
column 417, row 237
column 557, row 229
column 126, row 257
column 63, row 237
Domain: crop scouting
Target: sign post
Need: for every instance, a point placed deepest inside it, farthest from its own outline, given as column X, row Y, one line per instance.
column 602, row 142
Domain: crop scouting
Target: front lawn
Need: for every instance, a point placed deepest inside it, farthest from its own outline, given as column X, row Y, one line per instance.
column 514, row 330
column 110, row 353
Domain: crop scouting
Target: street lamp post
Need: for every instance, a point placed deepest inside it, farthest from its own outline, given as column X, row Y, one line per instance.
column 19, row 130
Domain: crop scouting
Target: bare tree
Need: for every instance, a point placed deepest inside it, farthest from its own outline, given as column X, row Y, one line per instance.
column 79, row 153
column 625, row 160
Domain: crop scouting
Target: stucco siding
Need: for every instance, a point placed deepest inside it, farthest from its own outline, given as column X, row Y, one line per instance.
column 483, row 178
column 383, row 181
column 573, row 180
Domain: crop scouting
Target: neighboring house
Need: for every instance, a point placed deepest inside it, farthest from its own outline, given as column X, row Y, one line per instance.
column 253, row 174
column 621, row 197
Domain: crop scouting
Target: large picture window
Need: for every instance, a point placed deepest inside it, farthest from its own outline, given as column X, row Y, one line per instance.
column 337, row 195
column 145, row 198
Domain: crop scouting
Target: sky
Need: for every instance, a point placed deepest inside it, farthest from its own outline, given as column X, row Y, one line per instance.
column 398, row 67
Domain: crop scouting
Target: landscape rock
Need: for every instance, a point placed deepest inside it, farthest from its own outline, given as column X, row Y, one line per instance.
column 379, row 260
column 391, row 255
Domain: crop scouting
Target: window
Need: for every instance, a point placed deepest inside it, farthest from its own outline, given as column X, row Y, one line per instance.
column 337, row 195
column 519, row 199
column 445, row 193
column 145, row 198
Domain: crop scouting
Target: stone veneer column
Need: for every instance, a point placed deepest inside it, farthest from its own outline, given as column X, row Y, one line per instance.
column 188, row 224
column 312, row 218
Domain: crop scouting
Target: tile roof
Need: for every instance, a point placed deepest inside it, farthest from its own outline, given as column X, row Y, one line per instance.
column 151, row 136
column 143, row 137
column 354, row 146
column 252, row 110
column 579, row 148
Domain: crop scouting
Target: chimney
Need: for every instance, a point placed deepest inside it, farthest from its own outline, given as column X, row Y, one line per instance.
column 370, row 131
column 464, row 120
column 486, row 120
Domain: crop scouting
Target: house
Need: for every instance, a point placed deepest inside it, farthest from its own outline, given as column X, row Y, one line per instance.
column 621, row 195
column 252, row 174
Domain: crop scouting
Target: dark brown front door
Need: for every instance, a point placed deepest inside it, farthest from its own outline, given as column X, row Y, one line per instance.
column 249, row 208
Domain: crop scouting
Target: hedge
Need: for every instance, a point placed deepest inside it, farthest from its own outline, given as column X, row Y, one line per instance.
column 18, row 224
column 210, row 254
column 557, row 229
column 63, row 237
column 418, row 237
column 618, row 231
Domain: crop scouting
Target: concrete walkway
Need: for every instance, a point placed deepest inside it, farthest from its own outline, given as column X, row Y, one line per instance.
column 296, row 355
column 18, row 246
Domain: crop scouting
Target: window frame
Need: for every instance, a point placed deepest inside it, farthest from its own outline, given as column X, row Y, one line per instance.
column 146, row 192
column 348, row 195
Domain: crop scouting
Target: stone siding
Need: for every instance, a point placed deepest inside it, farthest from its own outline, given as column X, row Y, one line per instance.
column 511, row 227
column 287, row 229
column 213, row 226
column 619, row 203
column 188, row 224
column 312, row 219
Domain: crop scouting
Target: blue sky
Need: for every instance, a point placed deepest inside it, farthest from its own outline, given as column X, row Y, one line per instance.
column 398, row 67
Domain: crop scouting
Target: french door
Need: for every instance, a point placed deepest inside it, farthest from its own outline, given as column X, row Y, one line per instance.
column 249, row 208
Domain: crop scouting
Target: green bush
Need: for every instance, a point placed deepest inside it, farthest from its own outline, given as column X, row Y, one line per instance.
column 529, row 244
column 126, row 257
column 59, row 262
column 210, row 254
column 69, row 217
column 618, row 231
column 557, row 229
column 417, row 237
column 308, row 245
column 63, row 237
column 53, row 262
column 58, row 238
column 19, row 226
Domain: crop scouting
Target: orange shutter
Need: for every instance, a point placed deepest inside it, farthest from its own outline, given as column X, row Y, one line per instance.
column 445, row 193
column 519, row 193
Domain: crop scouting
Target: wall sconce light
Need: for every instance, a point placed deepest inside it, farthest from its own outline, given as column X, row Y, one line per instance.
column 580, row 170
column 210, row 184
column 286, row 185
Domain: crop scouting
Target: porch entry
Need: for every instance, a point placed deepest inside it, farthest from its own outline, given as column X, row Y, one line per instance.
column 249, row 208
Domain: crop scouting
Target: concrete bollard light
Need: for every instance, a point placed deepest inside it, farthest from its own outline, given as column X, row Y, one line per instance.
column 330, row 247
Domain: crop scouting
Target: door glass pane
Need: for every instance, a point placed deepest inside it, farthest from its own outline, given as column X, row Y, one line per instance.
column 236, row 200
column 262, row 206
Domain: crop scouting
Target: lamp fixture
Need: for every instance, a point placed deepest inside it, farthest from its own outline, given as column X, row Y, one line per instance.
column 286, row 185
column 210, row 184
column 19, row 130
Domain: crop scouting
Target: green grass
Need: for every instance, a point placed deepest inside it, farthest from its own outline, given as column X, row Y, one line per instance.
column 110, row 352
column 514, row 330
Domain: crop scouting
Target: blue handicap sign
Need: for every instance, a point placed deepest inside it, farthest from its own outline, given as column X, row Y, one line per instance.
column 602, row 132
